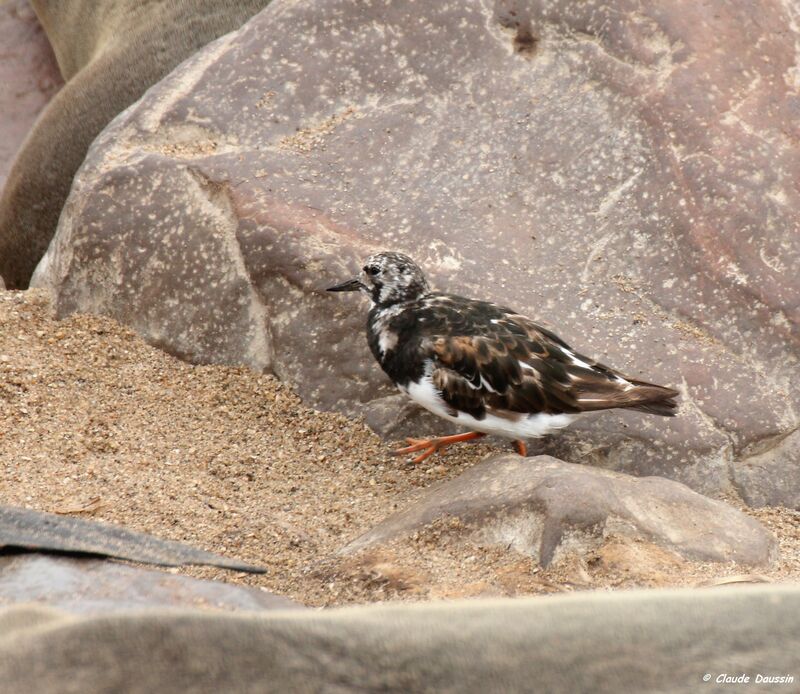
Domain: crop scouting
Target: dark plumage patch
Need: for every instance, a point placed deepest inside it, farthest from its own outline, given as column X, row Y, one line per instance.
column 487, row 357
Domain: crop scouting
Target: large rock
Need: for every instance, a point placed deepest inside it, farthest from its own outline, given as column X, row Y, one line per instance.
column 633, row 641
column 542, row 506
column 28, row 77
column 108, row 55
column 96, row 586
column 769, row 475
column 624, row 172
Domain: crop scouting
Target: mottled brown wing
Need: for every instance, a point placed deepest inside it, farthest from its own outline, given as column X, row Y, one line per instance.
column 511, row 366
column 516, row 365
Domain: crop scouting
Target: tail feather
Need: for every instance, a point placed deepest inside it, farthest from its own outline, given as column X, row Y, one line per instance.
column 654, row 399
column 643, row 397
column 665, row 408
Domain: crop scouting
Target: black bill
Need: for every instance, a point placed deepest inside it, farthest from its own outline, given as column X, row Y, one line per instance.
column 349, row 286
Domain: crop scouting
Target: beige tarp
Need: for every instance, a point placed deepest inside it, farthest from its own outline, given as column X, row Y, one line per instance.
column 595, row 642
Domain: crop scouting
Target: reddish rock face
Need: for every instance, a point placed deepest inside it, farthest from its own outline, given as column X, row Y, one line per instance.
column 28, row 77
column 626, row 174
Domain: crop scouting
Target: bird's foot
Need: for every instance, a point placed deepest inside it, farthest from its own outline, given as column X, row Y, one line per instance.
column 430, row 446
column 522, row 447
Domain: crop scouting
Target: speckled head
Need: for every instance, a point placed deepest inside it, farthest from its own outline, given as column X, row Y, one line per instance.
column 388, row 278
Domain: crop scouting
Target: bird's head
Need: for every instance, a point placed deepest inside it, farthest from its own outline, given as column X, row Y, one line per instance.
column 387, row 278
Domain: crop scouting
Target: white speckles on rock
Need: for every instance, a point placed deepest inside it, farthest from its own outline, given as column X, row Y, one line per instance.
column 590, row 183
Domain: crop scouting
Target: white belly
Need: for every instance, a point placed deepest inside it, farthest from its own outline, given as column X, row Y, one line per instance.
column 512, row 425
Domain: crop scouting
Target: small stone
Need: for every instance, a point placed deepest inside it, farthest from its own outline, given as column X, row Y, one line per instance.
column 532, row 505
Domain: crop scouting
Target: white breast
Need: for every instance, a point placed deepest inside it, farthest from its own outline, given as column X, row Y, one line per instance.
column 387, row 340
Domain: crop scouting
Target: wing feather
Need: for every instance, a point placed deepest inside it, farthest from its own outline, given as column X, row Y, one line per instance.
column 511, row 364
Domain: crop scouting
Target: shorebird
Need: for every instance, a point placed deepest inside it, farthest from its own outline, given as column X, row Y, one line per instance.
column 484, row 366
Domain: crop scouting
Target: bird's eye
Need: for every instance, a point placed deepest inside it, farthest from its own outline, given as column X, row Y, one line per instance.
column 371, row 269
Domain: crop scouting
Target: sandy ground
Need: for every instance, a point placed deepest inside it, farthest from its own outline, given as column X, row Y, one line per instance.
column 94, row 422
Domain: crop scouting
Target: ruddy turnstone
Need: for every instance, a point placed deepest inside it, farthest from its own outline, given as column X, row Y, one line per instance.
column 484, row 366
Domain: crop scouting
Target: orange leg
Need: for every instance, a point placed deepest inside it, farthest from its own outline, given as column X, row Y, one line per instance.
column 522, row 447
column 430, row 446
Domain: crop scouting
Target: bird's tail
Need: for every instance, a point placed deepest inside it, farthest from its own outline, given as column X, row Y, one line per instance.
column 625, row 393
column 653, row 399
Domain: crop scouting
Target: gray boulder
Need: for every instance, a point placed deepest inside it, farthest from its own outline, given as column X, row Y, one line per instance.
column 545, row 507
column 769, row 474
column 91, row 586
column 622, row 172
